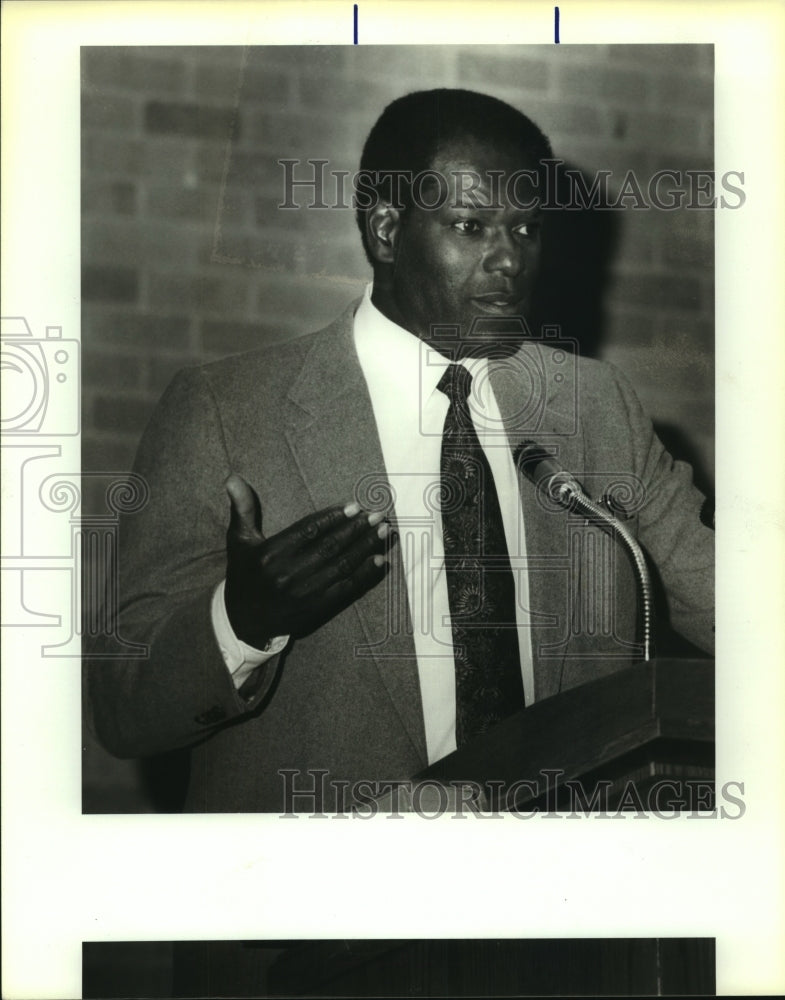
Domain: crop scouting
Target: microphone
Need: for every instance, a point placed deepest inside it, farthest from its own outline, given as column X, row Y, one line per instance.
column 561, row 487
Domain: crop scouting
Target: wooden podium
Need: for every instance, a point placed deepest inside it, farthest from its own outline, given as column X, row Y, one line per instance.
column 642, row 738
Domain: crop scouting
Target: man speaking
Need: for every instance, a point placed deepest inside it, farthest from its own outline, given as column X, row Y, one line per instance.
column 342, row 573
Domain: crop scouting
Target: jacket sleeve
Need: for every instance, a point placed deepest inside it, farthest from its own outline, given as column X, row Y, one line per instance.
column 679, row 545
column 171, row 557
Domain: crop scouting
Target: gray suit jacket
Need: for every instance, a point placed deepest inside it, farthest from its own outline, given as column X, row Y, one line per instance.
column 296, row 422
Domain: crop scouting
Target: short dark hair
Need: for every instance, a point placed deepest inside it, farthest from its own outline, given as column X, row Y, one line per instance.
column 412, row 129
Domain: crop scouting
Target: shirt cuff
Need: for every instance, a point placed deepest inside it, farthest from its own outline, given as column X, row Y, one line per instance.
column 240, row 658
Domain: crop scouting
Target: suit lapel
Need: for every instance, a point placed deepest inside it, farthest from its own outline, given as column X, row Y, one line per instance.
column 332, row 434
column 535, row 406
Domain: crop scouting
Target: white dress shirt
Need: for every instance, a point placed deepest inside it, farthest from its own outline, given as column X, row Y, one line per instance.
column 402, row 374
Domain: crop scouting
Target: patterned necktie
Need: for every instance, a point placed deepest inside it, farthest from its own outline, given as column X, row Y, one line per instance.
column 480, row 585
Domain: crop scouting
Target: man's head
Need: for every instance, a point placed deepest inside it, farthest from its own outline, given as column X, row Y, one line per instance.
column 453, row 229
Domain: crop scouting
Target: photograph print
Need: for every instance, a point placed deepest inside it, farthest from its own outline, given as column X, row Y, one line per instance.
column 398, row 405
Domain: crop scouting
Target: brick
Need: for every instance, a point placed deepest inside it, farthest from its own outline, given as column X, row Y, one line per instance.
column 144, row 331
column 260, row 84
column 699, row 332
column 685, row 91
column 268, row 215
column 218, row 54
column 632, row 329
column 106, row 453
column 683, row 249
column 707, row 135
column 574, row 119
column 198, row 294
column 195, row 120
column 122, row 413
column 162, row 157
column 133, row 69
column 115, row 284
column 161, row 369
column 302, row 304
column 676, row 57
column 235, row 208
column 200, row 204
column 245, row 168
column 396, row 63
column 688, row 159
column 209, row 158
column 273, row 251
column 489, row 68
column 327, row 253
column 101, row 369
column 218, row 81
column 303, row 135
column 331, row 59
column 657, row 291
column 652, row 128
column 677, row 349
column 561, row 118
column 635, row 239
column 321, row 92
column 608, row 84
column 631, row 358
column 205, row 205
column 221, row 337
column 144, row 243
column 109, row 112
column 111, row 197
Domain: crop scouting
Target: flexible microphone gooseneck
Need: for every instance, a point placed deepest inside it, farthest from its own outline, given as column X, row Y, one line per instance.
column 542, row 469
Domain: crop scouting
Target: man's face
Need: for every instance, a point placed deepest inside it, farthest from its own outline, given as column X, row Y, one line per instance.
column 472, row 262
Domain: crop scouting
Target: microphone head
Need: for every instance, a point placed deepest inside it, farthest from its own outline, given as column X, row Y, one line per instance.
column 544, row 471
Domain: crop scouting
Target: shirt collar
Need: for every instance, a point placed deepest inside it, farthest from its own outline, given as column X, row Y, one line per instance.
column 392, row 356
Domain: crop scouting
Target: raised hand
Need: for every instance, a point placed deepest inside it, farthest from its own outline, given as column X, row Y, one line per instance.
column 297, row 580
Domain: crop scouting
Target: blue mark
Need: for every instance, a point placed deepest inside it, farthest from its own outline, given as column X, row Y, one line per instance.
column 355, row 24
column 555, row 24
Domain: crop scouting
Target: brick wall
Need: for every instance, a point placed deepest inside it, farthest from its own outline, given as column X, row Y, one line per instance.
column 187, row 258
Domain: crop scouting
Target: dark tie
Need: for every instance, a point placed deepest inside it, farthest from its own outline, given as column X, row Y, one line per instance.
column 480, row 584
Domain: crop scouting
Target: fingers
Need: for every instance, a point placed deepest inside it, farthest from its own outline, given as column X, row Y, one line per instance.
column 315, row 527
column 321, row 537
column 341, row 564
column 245, row 520
column 346, row 591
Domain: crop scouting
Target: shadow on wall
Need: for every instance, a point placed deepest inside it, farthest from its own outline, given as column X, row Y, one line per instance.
column 578, row 247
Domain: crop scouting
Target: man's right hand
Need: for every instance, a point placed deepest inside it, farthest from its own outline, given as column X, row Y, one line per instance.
column 302, row 577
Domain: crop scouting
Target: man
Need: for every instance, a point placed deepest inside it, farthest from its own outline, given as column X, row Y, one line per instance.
column 390, row 584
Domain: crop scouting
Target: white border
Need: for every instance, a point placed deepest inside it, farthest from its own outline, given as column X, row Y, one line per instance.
column 69, row 878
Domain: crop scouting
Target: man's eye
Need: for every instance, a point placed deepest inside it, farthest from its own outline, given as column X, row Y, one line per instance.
column 531, row 230
column 468, row 226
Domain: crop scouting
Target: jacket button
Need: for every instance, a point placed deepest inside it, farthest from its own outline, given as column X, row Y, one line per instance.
column 213, row 715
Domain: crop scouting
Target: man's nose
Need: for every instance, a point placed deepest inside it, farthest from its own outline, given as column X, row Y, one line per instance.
column 504, row 256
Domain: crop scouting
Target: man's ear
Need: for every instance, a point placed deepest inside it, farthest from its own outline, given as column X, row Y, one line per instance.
column 382, row 230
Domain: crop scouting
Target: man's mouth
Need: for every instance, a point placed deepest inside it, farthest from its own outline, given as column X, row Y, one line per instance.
column 498, row 303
